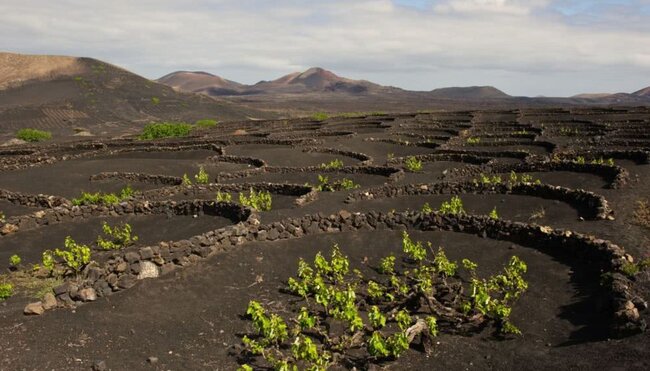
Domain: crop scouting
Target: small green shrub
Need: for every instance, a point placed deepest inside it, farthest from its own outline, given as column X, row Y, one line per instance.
column 473, row 140
column 260, row 201
column 426, row 208
column 15, row 260
column 412, row 163
column 33, row 135
column 580, row 160
column 320, row 116
column 413, row 250
column 601, row 161
column 126, row 193
column 494, row 214
column 642, row 213
column 206, row 123
column 165, row 130
column 567, row 131
column 334, row 164
column 186, row 180
column 224, row 197
column 48, row 260
column 3, row 218
column 74, row 255
column 324, row 184
column 453, row 206
column 104, row 198
column 488, row 180
column 155, row 101
column 117, row 237
column 6, row 290
column 630, row 269
column 202, row 177
column 346, row 184
column 515, row 179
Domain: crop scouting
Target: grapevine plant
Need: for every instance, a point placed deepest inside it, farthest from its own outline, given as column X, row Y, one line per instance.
column 104, row 198
column 334, row 164
column 117, row 237
column 413, row 164
column 223, row 197
column 324, row 184
column 342, row 317
column 260, row 200
column 74, row 256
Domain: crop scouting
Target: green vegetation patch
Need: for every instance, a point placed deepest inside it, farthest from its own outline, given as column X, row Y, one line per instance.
column 159, row 130
column 33, row 135
column 342, row 317
column 103, row 198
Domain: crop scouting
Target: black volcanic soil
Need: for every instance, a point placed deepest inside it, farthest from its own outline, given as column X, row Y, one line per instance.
column 277, row 155
column 150, row 229
column 192, row 318
column 70, row 178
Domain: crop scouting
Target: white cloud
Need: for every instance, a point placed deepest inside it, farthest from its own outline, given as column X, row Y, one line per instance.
column 513, row 44
column 511, row 7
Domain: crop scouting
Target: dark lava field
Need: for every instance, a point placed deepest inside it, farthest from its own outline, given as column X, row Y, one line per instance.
column 565, row 190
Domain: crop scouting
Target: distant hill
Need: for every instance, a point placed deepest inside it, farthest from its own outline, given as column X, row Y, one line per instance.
column 62, row 93
column 645, row 92
column 638, row 97
column 201, row 82
column 471, row 92
column 313, row 80
column 591, row 95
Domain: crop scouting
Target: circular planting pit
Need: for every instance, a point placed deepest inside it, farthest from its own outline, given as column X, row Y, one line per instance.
column 278, row 155
column 150, row 229
column 551, row 316
column 570, row 179
column 532, row 148
column 311, row 178
column 510, row 207
column 377, row 150
column 74, row 176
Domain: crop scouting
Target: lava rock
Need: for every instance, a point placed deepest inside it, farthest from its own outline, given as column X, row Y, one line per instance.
column 148, row 270
column 34, row 309
column 87, row 294
column 49, row 301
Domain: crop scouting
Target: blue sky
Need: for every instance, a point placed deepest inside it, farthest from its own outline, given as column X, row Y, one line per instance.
column 524, row 47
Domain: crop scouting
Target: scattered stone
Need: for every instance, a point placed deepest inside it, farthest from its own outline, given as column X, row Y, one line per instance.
column 100, row 366
column 84, row 133
column 132, row 257
column 152, row 360
column 34, row 309
column 8, row 229
column 126, row 281
column 121, row 267
column 13, row 142
column 344, row 214
column 87, row 294
column 148, row 270
column 49, row 301
column 146, row 253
